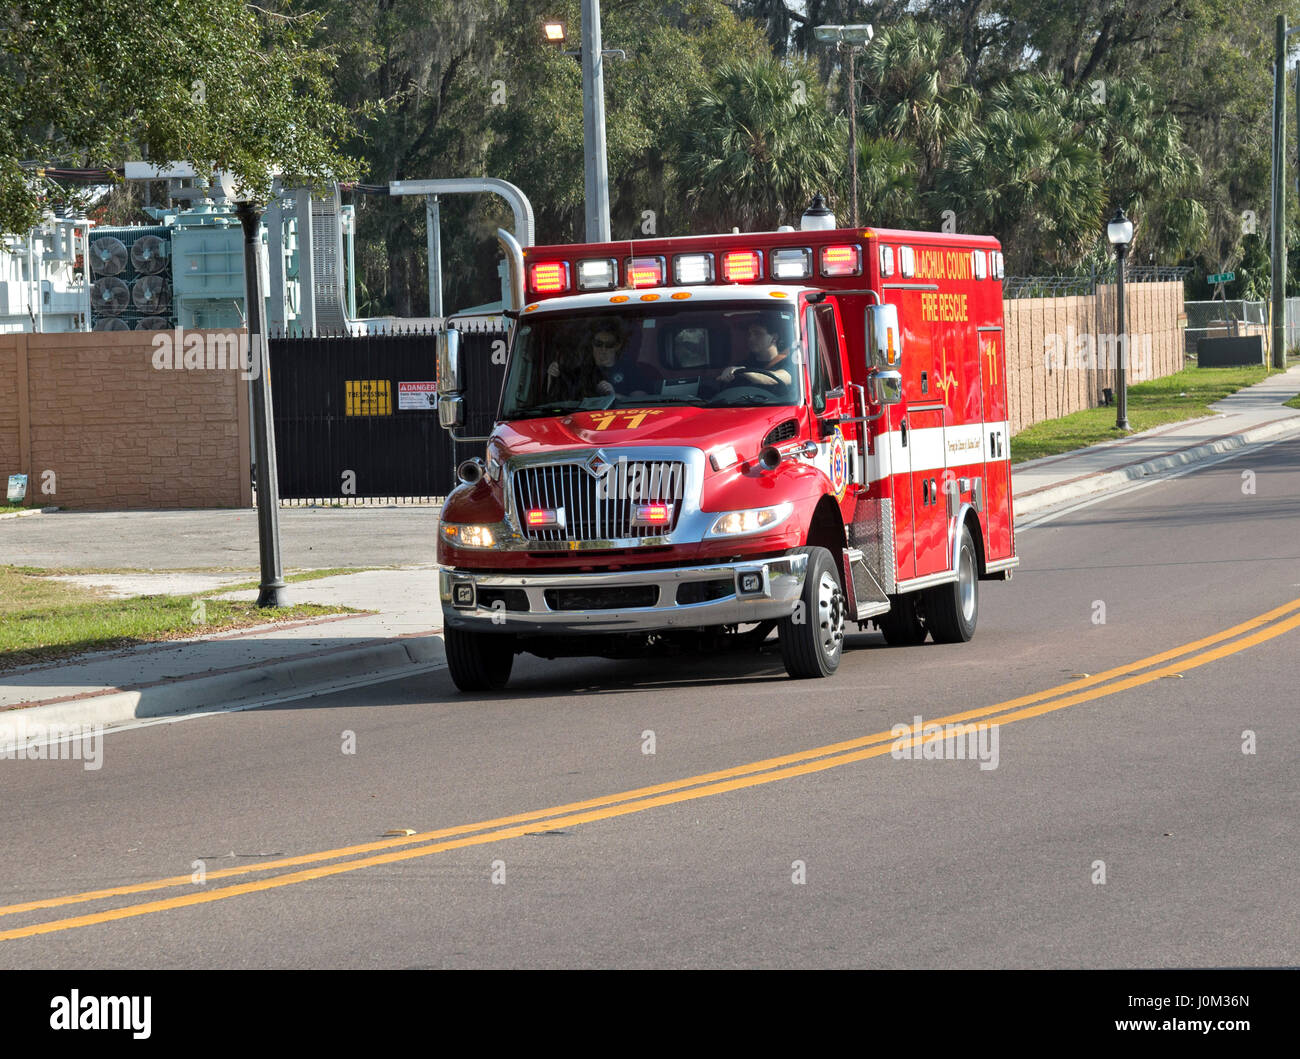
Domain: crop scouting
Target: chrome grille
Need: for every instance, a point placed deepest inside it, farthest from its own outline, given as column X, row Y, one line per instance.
column 598, row 508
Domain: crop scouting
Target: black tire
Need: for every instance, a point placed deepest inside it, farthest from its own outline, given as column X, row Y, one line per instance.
column 951, row 610
column 812, row 646
column 479, row 661
column 901, row 625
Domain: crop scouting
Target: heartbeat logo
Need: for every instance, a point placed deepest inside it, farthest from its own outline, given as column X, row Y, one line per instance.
column 947, row 380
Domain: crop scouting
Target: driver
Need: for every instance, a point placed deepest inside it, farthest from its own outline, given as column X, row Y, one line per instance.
column 768, row 353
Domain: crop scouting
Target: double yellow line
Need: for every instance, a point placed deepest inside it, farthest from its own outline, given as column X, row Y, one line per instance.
column 311, row 866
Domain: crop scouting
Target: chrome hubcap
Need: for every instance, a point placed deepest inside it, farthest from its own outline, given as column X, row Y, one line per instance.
column 966, row 584
column 830, row 615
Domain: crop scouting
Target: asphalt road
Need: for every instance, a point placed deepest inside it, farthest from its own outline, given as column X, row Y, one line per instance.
column 845, row 857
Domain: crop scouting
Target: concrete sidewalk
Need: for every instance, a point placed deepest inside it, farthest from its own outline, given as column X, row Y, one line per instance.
column 1252, row 415
column 401, row 632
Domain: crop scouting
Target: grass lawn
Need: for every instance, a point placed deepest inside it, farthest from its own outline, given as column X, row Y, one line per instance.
column 42, row 620
column 1183, row 395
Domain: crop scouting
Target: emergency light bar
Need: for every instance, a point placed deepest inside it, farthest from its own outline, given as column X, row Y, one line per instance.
column 886, row 260
column 597, row 274
column 742, row 266
column 692, row 268
column 792, row 263
column 979, row 264
column 841, row 261
column 548, row 277
column 645, row 272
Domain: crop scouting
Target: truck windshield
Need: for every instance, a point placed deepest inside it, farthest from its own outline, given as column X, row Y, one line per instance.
column 714, row 355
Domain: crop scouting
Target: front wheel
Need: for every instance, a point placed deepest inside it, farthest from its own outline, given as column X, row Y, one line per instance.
column 479, row 661
column 952, row 609
column 812, row 638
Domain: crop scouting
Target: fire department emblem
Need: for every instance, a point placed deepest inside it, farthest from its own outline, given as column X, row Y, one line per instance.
column 839, row 465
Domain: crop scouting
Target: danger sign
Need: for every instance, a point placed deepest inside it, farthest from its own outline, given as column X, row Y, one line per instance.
column 417, row 395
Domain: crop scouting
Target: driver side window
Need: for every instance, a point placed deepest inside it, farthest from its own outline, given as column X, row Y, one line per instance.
column 823, row 353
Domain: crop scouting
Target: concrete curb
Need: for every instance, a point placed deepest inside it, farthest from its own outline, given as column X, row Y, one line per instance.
column 1108, row 480
column 24, row 511
column 248, row 687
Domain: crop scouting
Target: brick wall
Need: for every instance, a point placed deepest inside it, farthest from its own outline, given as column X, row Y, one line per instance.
column 116, row 431
column 1060, row 350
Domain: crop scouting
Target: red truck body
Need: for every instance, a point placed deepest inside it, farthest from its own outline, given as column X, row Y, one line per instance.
column 712, row 499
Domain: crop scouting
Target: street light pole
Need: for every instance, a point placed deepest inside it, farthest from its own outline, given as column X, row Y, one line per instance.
column 268, row 486
column 593, row 125
column 1120, row 233
column 846, row 39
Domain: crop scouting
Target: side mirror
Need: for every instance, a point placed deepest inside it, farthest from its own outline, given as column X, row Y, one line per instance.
column 886, row 387
column 451, row 411
column 884, row 337
column 448, row 346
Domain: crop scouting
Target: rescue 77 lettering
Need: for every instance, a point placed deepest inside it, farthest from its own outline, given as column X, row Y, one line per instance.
column 704, row 440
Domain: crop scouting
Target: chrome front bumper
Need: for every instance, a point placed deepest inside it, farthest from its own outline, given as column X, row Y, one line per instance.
column 633, row 600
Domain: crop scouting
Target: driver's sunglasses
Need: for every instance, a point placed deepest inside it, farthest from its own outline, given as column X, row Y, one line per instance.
column 602, row 344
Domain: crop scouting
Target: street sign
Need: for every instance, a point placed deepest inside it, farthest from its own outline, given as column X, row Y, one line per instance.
column 1222, row 277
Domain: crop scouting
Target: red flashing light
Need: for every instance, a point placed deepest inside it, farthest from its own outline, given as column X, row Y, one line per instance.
column 645, row 272
column 540, row 516
column 841, row 261
column 741, row 266
column 549, row 277
column 653, row 514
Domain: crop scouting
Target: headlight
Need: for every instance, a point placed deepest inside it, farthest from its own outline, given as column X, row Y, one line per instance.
column 465, row 536
column 734, row 523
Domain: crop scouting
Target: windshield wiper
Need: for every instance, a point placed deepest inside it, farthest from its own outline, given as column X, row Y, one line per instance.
column 543, row 412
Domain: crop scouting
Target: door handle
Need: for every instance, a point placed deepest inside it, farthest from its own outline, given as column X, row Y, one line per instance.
column 902, row 430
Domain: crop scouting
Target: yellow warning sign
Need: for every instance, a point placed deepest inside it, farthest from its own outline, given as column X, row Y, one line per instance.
column 369, row 397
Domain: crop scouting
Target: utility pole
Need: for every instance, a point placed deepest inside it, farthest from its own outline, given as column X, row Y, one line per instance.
column 593, row 125
column 1279, row 198
column 853, row 144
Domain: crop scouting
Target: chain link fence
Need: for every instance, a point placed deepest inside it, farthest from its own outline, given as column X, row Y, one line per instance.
column 1233, row 319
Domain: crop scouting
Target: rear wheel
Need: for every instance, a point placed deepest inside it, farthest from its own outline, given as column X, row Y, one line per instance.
column 479, row 661
column 812, row 638
column 952, row 609
column 901, row 625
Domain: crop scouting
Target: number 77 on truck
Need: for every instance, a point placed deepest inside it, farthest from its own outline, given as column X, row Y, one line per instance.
column 704, row 440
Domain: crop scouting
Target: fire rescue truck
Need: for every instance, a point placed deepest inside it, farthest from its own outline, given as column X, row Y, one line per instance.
column 704, row 439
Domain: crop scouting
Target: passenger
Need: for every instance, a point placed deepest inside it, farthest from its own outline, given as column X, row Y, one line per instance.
column 606, row 371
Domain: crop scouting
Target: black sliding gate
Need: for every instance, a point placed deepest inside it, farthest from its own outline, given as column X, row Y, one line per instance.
column 356, row 418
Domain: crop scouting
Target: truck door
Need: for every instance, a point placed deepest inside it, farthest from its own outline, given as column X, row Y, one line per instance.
column 840, row 451
column 921, row 425
column 997, row 450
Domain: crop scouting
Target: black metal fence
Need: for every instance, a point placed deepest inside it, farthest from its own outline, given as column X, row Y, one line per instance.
column 356, row 417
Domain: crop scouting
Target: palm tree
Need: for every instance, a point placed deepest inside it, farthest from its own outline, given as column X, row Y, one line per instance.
column 1026, row 173
column 757, row 146
column 913, row 91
